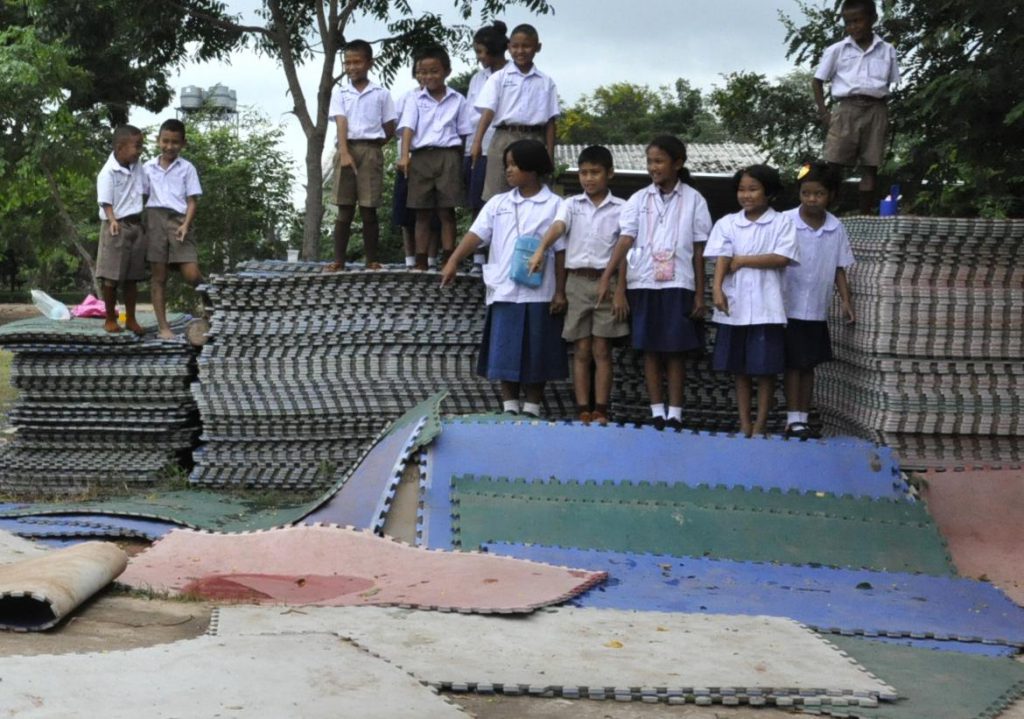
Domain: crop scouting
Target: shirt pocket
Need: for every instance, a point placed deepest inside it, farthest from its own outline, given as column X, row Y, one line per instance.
column 878, row 69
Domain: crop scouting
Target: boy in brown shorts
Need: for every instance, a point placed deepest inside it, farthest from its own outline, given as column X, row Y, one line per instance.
column 861, row 69
column 365, row 116
column 590, row 222
column 433, row 125
column 121, row 258
column 173, row 190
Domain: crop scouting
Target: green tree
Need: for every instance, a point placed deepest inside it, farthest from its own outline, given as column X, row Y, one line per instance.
column 958, row 115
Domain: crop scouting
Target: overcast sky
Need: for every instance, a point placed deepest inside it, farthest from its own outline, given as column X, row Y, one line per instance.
column 586, row 44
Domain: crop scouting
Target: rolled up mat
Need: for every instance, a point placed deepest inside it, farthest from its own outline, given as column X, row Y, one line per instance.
column 37, row 593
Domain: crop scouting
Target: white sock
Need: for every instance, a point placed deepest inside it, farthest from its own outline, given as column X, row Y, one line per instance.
column 410, row 260
column 511, row 405
column 431, row 262
column 675, row 413
column 531, row 408
column 804, row 416
column 478, row 259
column 793, row 417
column 658, row 410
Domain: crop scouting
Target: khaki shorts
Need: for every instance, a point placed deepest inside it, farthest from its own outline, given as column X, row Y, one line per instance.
column 856, row 132
column 364, row 186
column 435, row 178
column 494, row 181
column 162, row 238
column 582, row 319
column 122, row 257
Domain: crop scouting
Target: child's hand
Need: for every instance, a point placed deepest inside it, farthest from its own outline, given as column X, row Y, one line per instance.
column 733, row 263
column 848, row 314
column 403, row 166
column 721, row 303
column 824, row 117
column 475, row 152
column 536, row 263
column 181, row 233
column 559, row 303
column 700, row 309
column 115, row 228
column 448, row 272
column 602, row 291
column 620, row 306
column 345, row 160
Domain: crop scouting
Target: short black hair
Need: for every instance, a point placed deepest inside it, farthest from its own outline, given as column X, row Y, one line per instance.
column 525, row 29
column 530, row 155
column 820, row 171
column 493, row 37
column 433, row 52
column 597, row 155
column 123, row 133
column 868, row 6
column 674, row 148
column 173, row 125
column 768, row 177
column 360, row 46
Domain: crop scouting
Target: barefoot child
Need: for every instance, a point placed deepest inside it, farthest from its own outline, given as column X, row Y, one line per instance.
column 522, row 346
column 171, row 208
column 590, row 223
column 753, row 246
column 807, row 287
column 121, row 258
column 663, row 230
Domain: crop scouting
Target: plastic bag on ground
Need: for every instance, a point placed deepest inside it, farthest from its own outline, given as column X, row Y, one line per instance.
column 50, row 307
column 91, row 307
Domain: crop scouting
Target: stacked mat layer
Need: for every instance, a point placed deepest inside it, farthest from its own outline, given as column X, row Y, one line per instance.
column 933, row 366
column 95, row 409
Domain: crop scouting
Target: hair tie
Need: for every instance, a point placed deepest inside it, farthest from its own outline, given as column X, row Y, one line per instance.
column 802, row 172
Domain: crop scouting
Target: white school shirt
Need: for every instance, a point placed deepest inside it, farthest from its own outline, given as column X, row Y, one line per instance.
column 121, row 187
column 170, row 188
column 519, row 98
column 754, row 295
column 853, row 71
column 497, row 226
column 676, row 221
column 366, row 111
column 807, row 287
column 590, row 232
column 476, row 84
column 435, row 123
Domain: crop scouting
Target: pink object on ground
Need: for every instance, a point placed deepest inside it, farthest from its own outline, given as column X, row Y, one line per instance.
column 338, row 566
column 91, row 307
column 980, row 513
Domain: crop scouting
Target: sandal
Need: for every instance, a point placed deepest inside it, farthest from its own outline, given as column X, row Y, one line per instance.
column 599, row 418
column 334, row 267
column 799, row 430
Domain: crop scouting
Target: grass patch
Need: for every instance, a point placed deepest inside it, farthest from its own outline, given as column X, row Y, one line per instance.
column 7, row 393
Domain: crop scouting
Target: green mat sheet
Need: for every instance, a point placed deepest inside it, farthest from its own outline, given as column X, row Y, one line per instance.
column 935, row 684
column 80, row 329
column 696, row 521
column 220, row 512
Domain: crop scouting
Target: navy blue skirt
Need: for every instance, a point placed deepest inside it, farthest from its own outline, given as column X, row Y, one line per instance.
column 808, row 343
column 473, row 180
column 750, row 349
column 522, row 342
column 401, row 215
column 661, row 320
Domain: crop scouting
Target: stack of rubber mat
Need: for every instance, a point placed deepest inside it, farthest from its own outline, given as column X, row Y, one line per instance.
column 304, row 368
column 95, row 409
column 933, row 366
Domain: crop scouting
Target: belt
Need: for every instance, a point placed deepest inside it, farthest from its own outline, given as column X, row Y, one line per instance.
column 587, row 272
column 521, row 128
column 378, row 142
column 863, row 98
column 437, row 147
column 130, row 219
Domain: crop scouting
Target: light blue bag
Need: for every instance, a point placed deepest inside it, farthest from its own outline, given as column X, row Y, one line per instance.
column 526, row 245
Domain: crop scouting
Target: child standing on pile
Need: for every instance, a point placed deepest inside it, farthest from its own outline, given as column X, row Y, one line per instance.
column 522, row 346
column 121, row 257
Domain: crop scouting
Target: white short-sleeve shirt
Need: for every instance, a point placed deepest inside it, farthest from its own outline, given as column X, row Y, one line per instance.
column 519, row 98
column 366, row 111
column 853, row 71
column 754, row 295
column 808, row 287
column 435, row 123
column 590, row 231
column 121, row 187
column 171, row 187
column 504, row 218
column 657, row 223
column 476, row 84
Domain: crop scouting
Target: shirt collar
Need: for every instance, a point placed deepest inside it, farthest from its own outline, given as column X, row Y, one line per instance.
column 155, row 162
column 608, row 199
column 370, row 86
column 875, row 40
column 512, row 67
column 652, row 189
column 424, row 92
column 542, row 196
column 831, row 222
column 742, row 221
column 116, row 166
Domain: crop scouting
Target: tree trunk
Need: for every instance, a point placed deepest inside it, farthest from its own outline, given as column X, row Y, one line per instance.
column 314, row 196
column 69, row 227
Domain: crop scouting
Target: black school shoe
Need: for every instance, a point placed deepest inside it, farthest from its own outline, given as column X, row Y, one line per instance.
column 658, row 423
column 799, row 430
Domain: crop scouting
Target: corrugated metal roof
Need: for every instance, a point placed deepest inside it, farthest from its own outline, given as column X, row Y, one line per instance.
column 718, row 158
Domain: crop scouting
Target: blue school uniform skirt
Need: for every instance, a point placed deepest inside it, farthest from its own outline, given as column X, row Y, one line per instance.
column 401, row 215
column 522, row 342
column 473, row 180
column 808, row 344
column 661, row 320
column 750, row 349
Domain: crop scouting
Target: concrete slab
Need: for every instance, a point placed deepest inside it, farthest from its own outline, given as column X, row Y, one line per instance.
column 595, row 653
column 341, row 566
column 314, row 677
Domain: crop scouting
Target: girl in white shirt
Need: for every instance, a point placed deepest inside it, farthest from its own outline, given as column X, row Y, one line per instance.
column 522, row 345
column 808, row 288
column 753, row 246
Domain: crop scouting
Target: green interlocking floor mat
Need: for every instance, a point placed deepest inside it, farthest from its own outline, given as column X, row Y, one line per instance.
column 78, row 329
column 936, row 684
column 677, row 520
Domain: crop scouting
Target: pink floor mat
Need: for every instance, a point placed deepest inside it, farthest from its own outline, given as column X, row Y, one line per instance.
column 981, row 515
column 337, row 566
